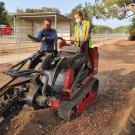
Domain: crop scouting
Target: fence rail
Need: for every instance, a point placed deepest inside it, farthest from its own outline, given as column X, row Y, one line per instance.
column 19, row 38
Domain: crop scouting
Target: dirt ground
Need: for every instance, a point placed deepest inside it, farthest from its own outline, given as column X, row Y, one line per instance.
column 13, row 50
column 111, row 110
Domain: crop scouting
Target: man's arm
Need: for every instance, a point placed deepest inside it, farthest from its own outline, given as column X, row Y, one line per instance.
column 53, row 37
column 38, row 38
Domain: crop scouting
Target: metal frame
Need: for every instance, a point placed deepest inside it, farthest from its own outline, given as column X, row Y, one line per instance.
column 31, row 16
column 55, row 20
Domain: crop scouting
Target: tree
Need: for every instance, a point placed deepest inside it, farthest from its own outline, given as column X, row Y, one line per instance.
column 34, row 10
column 101, row 28
column 3, row 14
column 19, row 10
column 86, row 10
column 45, row 9
column 119, row 7
column 71, row 14
column 117, row 2
column 124, row 6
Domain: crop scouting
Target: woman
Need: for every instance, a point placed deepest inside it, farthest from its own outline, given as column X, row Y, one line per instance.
column 82, row 30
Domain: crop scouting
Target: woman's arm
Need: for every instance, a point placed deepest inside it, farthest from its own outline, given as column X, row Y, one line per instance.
column 87, row 31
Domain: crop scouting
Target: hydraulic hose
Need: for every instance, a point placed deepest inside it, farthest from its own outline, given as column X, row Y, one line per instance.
column 45, row 83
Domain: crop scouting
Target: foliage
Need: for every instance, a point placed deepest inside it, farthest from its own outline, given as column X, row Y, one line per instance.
column 87, row 11
column 120, row 4
column 132, row 27
column 43, row 9
column 101, row 29
column 3, row 14
column 121, row 29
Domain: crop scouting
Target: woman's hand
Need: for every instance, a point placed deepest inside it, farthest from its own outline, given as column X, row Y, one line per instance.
column 72, row 43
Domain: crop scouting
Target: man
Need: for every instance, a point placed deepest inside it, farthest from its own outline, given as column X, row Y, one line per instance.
column 46, row 36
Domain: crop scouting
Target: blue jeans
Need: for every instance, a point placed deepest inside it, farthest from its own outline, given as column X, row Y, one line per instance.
column 44, row 46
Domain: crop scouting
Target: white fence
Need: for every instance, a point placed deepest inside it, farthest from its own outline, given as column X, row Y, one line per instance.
column 112, row 35
column 20, row 40
column 99, row 37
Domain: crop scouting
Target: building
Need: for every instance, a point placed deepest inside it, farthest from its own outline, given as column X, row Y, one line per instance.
column 31, row 23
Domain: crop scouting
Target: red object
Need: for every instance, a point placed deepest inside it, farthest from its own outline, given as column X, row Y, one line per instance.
column 94, row 56
column 86, row 101
column 69, row 78
column 86, row 80
column 61, row 44
column 5, row 30
column 54, row 103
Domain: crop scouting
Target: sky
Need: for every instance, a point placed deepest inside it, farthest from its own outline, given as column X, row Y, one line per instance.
column 65, row 6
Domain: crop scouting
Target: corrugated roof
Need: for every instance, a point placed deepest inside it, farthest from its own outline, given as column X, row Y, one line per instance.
column 40, row 14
